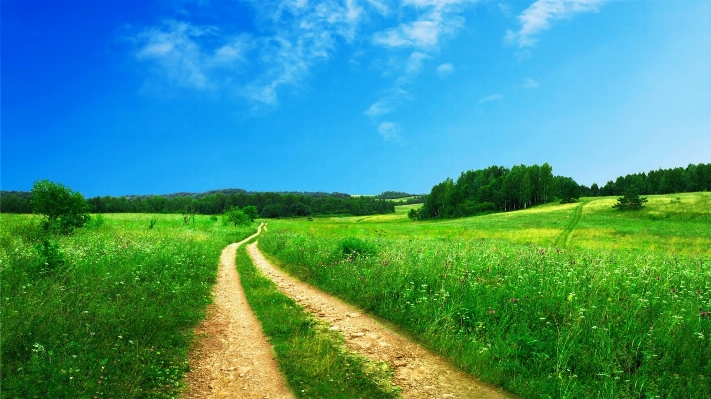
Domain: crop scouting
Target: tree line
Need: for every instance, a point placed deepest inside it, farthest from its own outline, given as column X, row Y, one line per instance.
column 496, row 189
column 661, row 181
column 500, row 189
column 269, row 205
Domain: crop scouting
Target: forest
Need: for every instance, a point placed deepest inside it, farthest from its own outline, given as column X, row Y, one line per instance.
column 269, row 205
column 499, row 189
column 493, row 189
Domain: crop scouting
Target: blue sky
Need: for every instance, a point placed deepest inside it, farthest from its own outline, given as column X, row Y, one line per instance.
column 357, row 96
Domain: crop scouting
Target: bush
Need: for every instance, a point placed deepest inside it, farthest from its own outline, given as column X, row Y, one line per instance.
column 353, row 247
column 236, row 216
column 63, row 209
column 631, row 201
column 251, row 212
column 51, row 258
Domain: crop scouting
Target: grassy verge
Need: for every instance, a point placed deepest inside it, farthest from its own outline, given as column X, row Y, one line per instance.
column 108, row 311
column 314, row 360
column 542, row 322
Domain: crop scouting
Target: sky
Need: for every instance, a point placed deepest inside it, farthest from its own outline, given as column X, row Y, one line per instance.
column 357, row 96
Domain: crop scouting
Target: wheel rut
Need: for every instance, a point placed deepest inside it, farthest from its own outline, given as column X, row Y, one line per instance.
column 564, row 237
column 233, row 359
column 418, row 372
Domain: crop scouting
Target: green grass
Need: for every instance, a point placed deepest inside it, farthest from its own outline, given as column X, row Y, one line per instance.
column 108, row 311
column 618, row 316
column 675, row 222
column 313, row 359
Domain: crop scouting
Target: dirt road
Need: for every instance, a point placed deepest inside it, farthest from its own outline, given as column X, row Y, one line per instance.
column 234, row 359
column 420, row 373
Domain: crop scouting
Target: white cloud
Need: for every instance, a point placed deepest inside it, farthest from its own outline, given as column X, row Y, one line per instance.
column 379, row 107
column 302, row 34
column 425, row 33
column 540, row 14
column 174, row 49
column 414, row 62
column 529, row 84
column 433, row 22
column 379, row 6
column 390, row 131
column 291, row 37
column 493, row 97
column 445, row 70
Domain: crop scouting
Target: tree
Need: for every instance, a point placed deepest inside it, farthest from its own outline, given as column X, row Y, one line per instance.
column 631, row 201
column 568, row 190
column 236, row 216
column 594, row 190
column 414, row 214
column 251, row 212
column 62, row 208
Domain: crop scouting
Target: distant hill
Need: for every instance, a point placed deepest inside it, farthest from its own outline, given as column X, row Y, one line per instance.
column 394, row 195
column 224, row 191
column 230, row 191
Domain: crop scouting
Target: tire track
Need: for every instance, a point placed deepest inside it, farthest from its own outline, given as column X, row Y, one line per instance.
column 234, row 359
column 419, row 373
column 564, row 237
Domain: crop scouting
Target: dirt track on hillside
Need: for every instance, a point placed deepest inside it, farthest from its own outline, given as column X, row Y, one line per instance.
column 419, row 373
column 232, row 359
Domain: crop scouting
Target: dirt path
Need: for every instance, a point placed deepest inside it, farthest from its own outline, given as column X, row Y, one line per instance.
column 417, row 371
column 233, row 360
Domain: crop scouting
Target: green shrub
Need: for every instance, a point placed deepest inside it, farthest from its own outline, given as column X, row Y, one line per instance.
column 63, row 209
column 353, row 247
column 51, row 258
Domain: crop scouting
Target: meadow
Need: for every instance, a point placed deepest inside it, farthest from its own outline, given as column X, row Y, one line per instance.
column 557, row 301
column 107, row 312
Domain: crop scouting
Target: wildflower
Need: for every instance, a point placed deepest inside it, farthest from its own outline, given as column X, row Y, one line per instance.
column 704, row 314
column 513, row 300
column 492, row 311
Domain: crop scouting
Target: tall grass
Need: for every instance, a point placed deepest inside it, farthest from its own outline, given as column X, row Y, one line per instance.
column 107, row 312
column 542, row 322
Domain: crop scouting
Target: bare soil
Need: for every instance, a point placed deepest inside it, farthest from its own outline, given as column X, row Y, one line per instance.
column 418, row 372
column 233, row 359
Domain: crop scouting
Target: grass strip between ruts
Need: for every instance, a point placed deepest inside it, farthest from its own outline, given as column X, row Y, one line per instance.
column 313, row 359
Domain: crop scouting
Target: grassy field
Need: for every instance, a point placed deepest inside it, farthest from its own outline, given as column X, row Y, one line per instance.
column 678, row 223
column 107, row 312
column 559, row 301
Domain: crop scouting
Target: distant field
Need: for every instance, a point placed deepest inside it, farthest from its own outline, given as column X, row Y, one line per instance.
column 567, row 301
column 675, row 222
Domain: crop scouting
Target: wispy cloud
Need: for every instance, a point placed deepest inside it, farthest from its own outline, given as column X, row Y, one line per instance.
column 390, row 131
column 542, row 13
column 203, row 57
column 445, row 70
column 432, row 22
column 529, row 84
column 435, row 20
column 493, row 97
column 292, row 36
column 176, row 53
